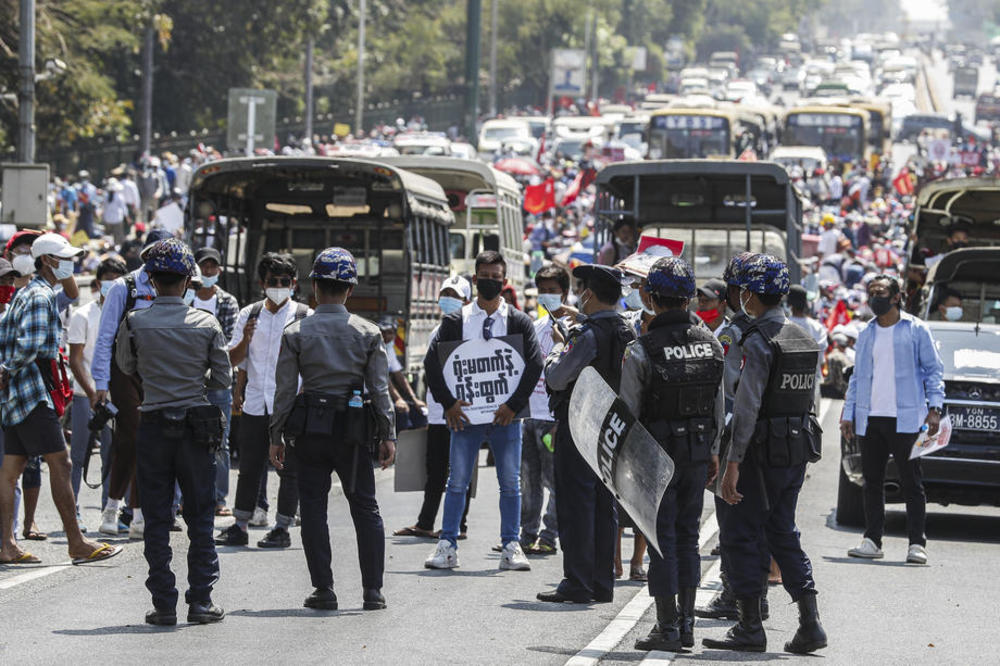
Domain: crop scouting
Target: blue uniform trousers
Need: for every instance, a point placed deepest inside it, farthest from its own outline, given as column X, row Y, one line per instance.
column 162, row 463
column 677, row 525
column 588, row 523
column 762, row 525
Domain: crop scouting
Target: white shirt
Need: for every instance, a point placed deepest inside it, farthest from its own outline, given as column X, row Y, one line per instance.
column 390, row 352
column 435, row 412
column 115, row 210
column 473, row 317
column 262, row 356
column 883, row 373
column 208, row 306
column 836, row 188
column 539, row 401
column 130, row 195
column 170, row 217
column 83, row 326
column 828, row 242
column 818, row 333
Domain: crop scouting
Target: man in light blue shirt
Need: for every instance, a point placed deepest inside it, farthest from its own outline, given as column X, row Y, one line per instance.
column 897, row 386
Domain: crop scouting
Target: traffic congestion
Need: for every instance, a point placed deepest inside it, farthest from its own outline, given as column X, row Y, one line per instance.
column 728, row 340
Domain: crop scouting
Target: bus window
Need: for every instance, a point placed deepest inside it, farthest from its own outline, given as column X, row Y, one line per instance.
column 456, row 245
column 689, row 136
column 711, row 251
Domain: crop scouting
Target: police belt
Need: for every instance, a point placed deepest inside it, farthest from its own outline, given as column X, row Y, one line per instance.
column 326, row 415
column 786, row 441
column 685, row 440
column 203, row 424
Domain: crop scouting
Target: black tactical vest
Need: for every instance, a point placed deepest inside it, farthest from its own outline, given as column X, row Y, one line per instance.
column 679, row 404
column 613, row 335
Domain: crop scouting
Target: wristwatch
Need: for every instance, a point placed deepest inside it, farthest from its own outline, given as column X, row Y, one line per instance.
column 935, row 409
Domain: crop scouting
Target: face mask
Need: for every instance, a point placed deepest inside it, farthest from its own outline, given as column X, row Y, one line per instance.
column 106, row 287
column 188, row 296
column 488, row 289
column 708, row 315
column 634, row 300
column 278, row 295
column 880, row 305
column 209, row 282
column 743, row 306
column 6, row 293
column 953, row 313
column 63, row 270
column 449, row 304
column 551, row 302
column 584, row 302
column 24, row 264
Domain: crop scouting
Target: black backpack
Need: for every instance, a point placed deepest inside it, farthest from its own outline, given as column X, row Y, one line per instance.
column 301, row 310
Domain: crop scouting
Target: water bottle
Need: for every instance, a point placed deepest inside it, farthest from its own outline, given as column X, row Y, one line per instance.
column 356, row 401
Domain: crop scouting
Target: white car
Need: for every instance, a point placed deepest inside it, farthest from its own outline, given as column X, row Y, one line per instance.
column 495, row 132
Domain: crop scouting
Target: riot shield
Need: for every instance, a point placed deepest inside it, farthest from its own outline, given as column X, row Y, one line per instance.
column 630, row 463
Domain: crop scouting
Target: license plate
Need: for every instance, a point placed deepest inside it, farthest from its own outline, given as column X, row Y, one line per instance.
column 982, row 419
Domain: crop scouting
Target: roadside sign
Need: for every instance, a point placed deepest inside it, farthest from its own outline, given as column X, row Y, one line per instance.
column 251, row 119
column 569, row 71
column 25, row 195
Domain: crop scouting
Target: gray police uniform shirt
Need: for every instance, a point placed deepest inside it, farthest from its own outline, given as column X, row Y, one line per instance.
column 636, row 377
column 334, row 352
column 753, row 381
column 729, row 336
column 567, row 360
column 178, row 352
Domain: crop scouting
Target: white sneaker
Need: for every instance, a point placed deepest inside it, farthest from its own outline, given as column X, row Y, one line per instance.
column 445, row 556
column 867, row 550
column 109, row 521
column 136, row 529
column 259, row 518
column 513, row 558
column 916, row 554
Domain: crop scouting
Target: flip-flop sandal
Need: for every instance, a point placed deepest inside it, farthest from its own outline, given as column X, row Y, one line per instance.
column 32, row 535
column 23, row 558
column 103, row 552
column 639, row 575
column 414, row 532
column 224, row 512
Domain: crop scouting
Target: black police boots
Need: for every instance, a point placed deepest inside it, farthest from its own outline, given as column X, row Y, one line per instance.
column 723, row 606
column 205, row 613
column 374, row 599
column 685, row 614
column 321, row 599
column 665, row 635
column 810, row 635
column 162, row 618
column 748, row 634
column 765, row 608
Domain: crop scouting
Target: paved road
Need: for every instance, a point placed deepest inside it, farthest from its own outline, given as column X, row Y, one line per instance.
column 945, row 612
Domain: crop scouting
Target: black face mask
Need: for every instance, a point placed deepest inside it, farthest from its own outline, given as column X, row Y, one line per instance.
column 488, row 289
column 880, row 305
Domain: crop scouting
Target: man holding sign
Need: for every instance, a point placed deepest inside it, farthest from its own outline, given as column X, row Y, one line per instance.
column 482, row 367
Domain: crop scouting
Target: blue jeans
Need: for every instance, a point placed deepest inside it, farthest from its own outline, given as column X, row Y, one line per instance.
column 223, row 399
column 505, row 441
column 81, row 441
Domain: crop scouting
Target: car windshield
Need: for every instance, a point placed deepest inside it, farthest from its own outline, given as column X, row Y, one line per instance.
column 966, row 352
column 505, row 132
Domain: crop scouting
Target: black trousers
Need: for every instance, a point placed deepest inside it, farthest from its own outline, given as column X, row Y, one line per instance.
column 677, row 525
column 588, row 522
column 318, row 457
column 162, row 462
column 438, row 453
column 255, row 443
column 880, row 440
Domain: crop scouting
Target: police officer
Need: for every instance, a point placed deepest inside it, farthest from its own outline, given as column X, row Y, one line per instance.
column 672, row 379
column 772, row 439
column 170, row 346
column 337, row 355
column 585, row 510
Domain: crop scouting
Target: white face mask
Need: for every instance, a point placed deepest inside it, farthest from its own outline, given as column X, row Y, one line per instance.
column 209, row 281
column 278, row 295
column 633, row 301
column 64, row 269
column 551, row 302
column 954, row 313
column 24, row 264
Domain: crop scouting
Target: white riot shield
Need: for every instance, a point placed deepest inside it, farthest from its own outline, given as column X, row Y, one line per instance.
column 630, row 463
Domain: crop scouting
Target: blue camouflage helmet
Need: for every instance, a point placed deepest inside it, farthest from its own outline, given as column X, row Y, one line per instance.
column 170, row 256
column 335, row 263
column 671, row 277
column 765, row 274
column 734, row 270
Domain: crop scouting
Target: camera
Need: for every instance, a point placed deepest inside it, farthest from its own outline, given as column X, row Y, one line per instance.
column 103, row 412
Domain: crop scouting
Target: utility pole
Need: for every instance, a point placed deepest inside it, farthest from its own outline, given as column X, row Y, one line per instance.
column 309, row 90
column 146, row 129
column 594, row 64
column 494, row 10
column 26, row 101
column 474, row 19
column 586, row 51
column 359, row 109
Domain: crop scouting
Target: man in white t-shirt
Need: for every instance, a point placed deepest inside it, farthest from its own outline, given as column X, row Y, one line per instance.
column 409, row 408
column 81, row 336
column 829, row 237
column 169, row 216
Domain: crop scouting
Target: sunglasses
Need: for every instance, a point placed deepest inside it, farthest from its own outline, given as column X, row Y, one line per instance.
column 279, row 282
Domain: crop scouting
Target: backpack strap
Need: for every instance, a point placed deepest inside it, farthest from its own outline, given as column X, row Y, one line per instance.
column 255, row 310
column 301, row 310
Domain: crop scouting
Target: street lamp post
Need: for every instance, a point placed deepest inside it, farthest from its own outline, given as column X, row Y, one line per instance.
column 474, row 14
column 359, row 109
column 309, row 90
column 26, row 102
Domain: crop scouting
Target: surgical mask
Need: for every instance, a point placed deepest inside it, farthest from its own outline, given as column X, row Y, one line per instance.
column 551, row 302
column 23, row 264
column 278, row 295
column 488, row 289
column 708, row 315
column 743, row 306
column 880, row 305
column 106, row 287
column 449, row 304
column 6, row 293
column 64, row 269
column 188, row 296
column 633, row 300
column 209, row 282
column 953, row 313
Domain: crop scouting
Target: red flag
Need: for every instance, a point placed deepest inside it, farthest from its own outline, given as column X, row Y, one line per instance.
column 748, row 155
column 903, row 183
column 676, row 247
column 838, row 316
column 540, row 198
column 580, row 183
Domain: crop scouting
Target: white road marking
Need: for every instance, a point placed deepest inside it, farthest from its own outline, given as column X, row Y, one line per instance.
column 631, row 614
column 31, row 575
column 657, row 658
column 824, row 407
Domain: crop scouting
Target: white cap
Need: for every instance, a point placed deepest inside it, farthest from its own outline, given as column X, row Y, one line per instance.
column 456, row 282
column 851, row 330
column 54, row 245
